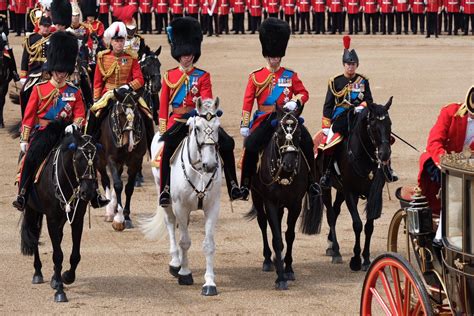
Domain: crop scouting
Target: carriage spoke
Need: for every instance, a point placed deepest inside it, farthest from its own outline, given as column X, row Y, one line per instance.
column 388, row 291
column 407, row 297
column 379, row 299
column 398, row 290
column 417, row 308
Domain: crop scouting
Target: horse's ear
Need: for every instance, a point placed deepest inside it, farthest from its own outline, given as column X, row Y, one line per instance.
column 389, row 103
column 158, row 51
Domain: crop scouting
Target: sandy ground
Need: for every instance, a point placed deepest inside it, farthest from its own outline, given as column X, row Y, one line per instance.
column 123, row 272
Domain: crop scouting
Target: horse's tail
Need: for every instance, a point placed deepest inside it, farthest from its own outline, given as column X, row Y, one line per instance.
column 14, row 131
column 252, row 214
column 154, row 227
column 373, row 207
column 312, row 215
column 30, row 231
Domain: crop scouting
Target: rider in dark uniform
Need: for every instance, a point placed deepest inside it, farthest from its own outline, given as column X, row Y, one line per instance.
column 4, row 34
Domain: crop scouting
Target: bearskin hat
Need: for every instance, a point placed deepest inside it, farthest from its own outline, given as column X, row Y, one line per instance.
column 62, row 52
column 61, row 12
column 45, row 20
column 470, row 100
column 185, row 37
column 89, row 8
column 274, row 37
column 349, row 55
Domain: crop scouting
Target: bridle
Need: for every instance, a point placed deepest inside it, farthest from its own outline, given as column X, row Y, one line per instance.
column 128, row 107
column 208, row 141
column 87, row 150
column 149, row 78
column 288, row 146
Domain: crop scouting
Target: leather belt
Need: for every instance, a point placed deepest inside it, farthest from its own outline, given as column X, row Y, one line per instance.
column 266, row 108
column 182, row 110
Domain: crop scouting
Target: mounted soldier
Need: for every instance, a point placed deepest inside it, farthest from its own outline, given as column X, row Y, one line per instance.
column 271, row 86
column 182, row 86
column 6, row 48
column 51, row 100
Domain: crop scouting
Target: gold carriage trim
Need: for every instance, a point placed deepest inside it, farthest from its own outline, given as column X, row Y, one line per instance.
column 162, row 123
column 245, row 119
column 326, row 122
column 25, row 133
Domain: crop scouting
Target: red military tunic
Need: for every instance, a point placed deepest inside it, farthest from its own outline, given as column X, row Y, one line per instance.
column 417, row 6
column 192, row 6
column 114, row 71
column 103, row 6
column 116, row 3
column 179, row 90
column 176, row 6
column 303, row 5
column 255, row 7
column 318, row 5
column 370, row 6
column 401, row 5
column 134, row 3
column 21, row 6
column 335, row 6
column 352, row 6
column 433, row 5
column 161, row 6
column 223, row 7
column 468, row 6
column 3, row 5
column 238, row 6
column 259, row 87
column 289, row 6
column 386, row 6
column 272, row 6
column 452, row 6
column 204, row 6
column 145, row 6
column 32, row 4
column 49, row 102
column 447, row 135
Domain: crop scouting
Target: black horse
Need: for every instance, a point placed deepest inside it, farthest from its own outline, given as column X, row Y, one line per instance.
column 5, row 77
column 67, row 184
column 360, row 166
column 281, row 182
column 124, row 138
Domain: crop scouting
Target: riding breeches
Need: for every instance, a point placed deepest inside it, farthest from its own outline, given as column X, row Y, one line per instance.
column 175, row 135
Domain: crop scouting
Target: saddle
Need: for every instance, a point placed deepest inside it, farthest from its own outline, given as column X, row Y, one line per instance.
column 39, row 170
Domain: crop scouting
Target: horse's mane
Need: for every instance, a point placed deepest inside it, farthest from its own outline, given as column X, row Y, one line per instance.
column 375, row 109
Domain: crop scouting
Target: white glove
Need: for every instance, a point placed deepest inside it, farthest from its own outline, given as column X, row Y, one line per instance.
column 70, row 128
column 22, row 81
column 290, row 106
column 126, row 86
column 4, row 37
column 326, row 131
column 359, row 108
column 244, row 131
column 23, row 147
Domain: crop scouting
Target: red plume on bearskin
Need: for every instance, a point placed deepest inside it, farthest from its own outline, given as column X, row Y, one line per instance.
column 347, row 41
column 125, row 14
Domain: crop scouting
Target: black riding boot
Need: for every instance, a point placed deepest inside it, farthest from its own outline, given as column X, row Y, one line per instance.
column 308, row 151
column 93, row 126
column 26, row 180
column 233, row 188
column 99, row 200
column 15, row 75
column 325, row 180
column 165, row 197
column 150, row 132
column 249, row 168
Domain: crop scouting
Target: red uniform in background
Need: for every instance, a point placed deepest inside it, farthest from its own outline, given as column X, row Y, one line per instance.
column 467, row 7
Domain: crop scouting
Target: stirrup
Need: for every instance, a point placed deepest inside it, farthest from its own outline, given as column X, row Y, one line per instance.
column 20, row 203
column 245, row 193
column 235, row 192
column 165, row 197
column 99, row 201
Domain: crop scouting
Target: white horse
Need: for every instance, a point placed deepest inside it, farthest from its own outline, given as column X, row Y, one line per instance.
column 195, row 184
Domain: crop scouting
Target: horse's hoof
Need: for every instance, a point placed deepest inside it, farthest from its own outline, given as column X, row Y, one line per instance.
column 69, row 277
column 336, row 260
column 138, row 184
column 118, row 226
column 290, row 276
column 281, row 285
column 60, row 297
column 185, row 279
column 54, row 284
column 128, row 224
column 209, row 290
column 37, row 279
column 174, row 271
column 355, row 264
column 366, row 266
column 109, row 218
column 268, row 266
column 329, row 252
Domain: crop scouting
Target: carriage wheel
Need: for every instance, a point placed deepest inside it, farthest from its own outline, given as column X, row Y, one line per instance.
column 392, row 287
column 398, row 238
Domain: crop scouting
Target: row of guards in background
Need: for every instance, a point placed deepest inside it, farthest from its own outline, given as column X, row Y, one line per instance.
column 327, row 15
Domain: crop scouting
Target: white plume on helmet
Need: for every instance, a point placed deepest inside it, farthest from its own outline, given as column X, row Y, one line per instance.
column 45, row 4
column 116, row 29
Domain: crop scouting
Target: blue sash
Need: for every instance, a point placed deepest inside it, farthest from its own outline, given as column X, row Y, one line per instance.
column 182, row 92
column 278, row 89
column 60, row 104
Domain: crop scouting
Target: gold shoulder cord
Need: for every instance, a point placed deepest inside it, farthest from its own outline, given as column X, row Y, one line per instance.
column 49, row 97
column 175, row 86
column 337, row 94
column 113, row 67
column 35, row 50
column 262, row 85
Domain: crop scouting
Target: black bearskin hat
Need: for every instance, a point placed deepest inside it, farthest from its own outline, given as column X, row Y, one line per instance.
column 274, row 36
column 470, row 100
column 61, row 12
column 185, row 37
column 89, row 8
column 45, row 20
column 349, row 55
column 62, row 52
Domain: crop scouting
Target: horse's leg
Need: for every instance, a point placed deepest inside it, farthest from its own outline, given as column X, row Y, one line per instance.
column 368, row 230
column 175, row 263
column 3, row 93
column 351, row 202
column 185, row 276
column 336, row 209
column 109, row 194
column 333, row 244
column 32, row 229
column 209, row 248
column 55, row 230
column 273, row 215
column 69, row 276
column 116, row 170
column 293, row 214
column 262, row 223
column 132, row 172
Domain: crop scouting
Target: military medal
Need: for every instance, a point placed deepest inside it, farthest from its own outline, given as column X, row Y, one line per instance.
column 286, row 92
column 67, row 107
column 194, row 90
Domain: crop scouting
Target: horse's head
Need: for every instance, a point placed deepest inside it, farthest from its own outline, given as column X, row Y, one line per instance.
column 126, row 120
column 379, row 129
column 151, row 65
column 287, row 139
column 204, row 134
column 84, row 161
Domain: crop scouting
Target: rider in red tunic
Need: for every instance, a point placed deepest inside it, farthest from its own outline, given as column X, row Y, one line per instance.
column 453, row 131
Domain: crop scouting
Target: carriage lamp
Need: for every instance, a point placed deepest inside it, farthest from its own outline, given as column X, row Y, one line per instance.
column 419, row 215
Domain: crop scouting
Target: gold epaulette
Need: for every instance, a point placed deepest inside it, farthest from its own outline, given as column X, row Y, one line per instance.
column 261, row 85
column 174, row 85
column 337, row 94
column 129, row 51
column 363, row 76
column 256, row 70
column 462, row 109
column 102, row 53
